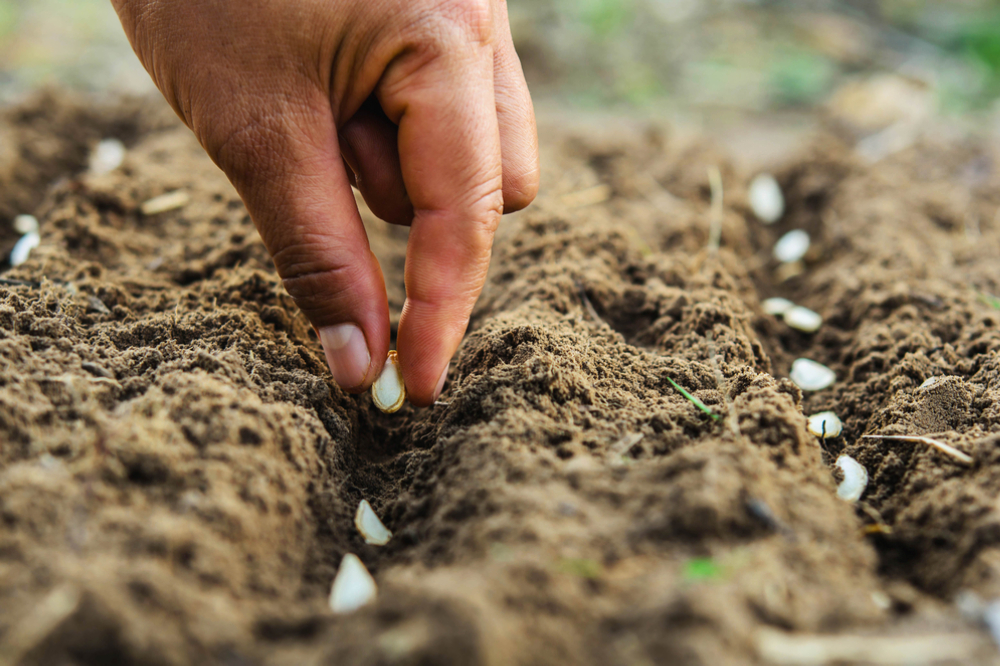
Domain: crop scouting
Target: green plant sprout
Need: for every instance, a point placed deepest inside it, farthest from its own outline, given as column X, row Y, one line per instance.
column 989, row 300
column 702, row 568
column 695, row 401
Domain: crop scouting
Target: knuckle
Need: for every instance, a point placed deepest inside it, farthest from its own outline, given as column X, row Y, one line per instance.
column 488, row 210
column 314, row 283
column 475, row 19
column 467, row 20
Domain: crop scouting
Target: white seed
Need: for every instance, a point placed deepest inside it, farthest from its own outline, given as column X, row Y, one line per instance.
column 165, row 202
column 23, row 247
column 929, row 382
column 107, row 156
column 388, row 390
column 803, row 319
column 792, row 246
column 881, row 600
column 353, row 586
column 766, row 199
column 810, row 375
column 991, row 616
column 26, row 224
column 855, row 479
column 825, row 425
column 371, row 528
column 777, row 306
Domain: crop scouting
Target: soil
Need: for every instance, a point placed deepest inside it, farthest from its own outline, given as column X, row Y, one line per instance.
column 179, row 474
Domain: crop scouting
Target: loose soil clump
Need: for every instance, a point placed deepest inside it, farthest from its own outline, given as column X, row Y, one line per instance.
column 179, row 474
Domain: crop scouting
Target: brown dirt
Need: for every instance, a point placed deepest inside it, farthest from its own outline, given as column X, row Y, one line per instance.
column 178, row 474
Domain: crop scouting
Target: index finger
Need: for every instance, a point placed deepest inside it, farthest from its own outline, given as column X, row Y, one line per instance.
column 449, row 150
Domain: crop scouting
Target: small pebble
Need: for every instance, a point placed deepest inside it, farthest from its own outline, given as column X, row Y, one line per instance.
column 810, row 375
column 766, row 199
column 777, row 306
column 855, row 479
column 825, row 425
column 165, row 202
column 803, row 319
column 22, row 249
column 26, row 224
column 353, row 587
column 792, row 246
column 107, row 156
column 369, row 525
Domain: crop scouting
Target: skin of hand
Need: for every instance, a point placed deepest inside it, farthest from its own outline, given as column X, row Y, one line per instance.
column 421, row 104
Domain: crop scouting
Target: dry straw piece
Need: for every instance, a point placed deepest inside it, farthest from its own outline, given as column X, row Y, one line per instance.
column 947, row 449
column 388, row 391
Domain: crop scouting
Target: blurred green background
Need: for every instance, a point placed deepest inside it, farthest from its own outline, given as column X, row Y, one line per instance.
column 723, row 56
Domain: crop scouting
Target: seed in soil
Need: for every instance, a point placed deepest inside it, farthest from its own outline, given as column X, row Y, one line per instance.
column 792, row 246
column 22, row 249
column 388, row 391
column 26, row 224
column 855, row 479
column 803, row 319
column 369, row 525
column 777, row 306
column 811, row 376
column 929, row 382
column 165, row 202
column 825, row 425
column 353, row 586
column 107, row 156
column 766, row 199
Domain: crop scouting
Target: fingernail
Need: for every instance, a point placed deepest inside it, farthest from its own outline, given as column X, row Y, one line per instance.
column 440, row 386
column 346, row 353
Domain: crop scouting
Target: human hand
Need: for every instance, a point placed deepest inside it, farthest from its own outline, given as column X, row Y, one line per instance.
column 419, row 103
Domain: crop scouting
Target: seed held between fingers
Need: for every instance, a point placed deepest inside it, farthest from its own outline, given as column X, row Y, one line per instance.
column 388, row 391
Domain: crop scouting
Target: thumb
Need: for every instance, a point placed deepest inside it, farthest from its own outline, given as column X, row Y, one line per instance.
column 288, row 169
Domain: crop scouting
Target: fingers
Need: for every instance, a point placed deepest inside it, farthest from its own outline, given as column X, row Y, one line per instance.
column 516, row 117
column 287, row 167
column 449, row 148
column 368, row 143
